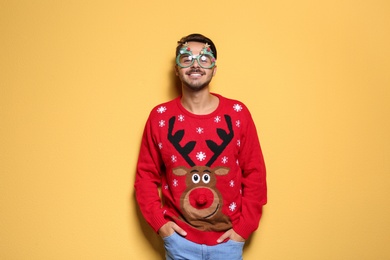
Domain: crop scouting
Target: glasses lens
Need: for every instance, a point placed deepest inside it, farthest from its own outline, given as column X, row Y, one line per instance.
column 205, row 61
column 185, row 60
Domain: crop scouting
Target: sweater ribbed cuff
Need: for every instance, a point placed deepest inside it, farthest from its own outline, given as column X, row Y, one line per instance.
column 243, row 229
column 158, row 221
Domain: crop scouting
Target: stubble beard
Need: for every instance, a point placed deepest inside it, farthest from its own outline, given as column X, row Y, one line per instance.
column 195, row 85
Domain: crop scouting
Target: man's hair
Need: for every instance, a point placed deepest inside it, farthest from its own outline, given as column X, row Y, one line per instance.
column 196, row 37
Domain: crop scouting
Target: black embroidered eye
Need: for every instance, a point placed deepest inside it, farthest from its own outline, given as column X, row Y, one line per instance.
column 206, row 178
column 196, row 178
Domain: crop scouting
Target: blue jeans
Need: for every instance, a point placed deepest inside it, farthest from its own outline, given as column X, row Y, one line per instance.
column 179, row 248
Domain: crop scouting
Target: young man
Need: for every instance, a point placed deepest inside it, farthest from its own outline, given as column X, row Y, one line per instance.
column 202, row 149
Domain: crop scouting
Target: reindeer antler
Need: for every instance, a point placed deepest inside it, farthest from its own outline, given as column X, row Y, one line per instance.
column 175, row 140
column 226, row 138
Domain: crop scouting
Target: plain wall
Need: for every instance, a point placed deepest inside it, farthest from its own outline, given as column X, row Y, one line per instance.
column 79, row 78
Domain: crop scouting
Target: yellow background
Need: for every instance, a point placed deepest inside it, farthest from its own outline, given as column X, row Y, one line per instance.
column 78, row 79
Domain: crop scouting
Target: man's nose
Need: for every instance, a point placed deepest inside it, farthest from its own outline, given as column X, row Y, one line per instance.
column 195, row 64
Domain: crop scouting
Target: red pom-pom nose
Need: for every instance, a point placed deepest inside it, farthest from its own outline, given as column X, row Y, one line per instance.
column 201, row 198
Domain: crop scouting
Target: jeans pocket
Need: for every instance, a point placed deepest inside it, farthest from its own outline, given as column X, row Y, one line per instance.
column 169, row 237
column 172, row 246
column 234, row 241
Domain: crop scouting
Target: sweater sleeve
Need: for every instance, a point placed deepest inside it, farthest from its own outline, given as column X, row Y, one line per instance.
column 254, row 188
column 148, row 180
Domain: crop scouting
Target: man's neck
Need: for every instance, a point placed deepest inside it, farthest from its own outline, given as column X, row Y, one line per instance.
column 199, row 102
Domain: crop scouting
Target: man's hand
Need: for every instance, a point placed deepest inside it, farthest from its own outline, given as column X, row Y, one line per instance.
column 231, row 234
column 170, row 227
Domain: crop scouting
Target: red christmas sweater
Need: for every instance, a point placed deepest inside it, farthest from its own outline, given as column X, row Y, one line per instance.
column 210, row 169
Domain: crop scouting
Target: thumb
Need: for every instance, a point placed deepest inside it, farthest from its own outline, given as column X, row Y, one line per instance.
column 179, row 230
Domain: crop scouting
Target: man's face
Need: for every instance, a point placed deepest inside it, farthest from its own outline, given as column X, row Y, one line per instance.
column 195, row 77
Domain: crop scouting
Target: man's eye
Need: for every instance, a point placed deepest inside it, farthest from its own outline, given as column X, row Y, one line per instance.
column 205, row 59
column 186, row 59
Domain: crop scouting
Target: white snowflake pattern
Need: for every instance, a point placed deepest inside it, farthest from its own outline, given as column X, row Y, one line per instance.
column 161, row 109
column 238, row 123
column 173, row 158
column 166, row 186
column 232, row 206
column 199, row 130
column 217, row 119
column 160, row 145
column 224, row 160
column 238, row 143
column 237, row 162
column 231, row 183
column 200, row 156
column 175, row 182
column 161, row 123
column 237, row 107
column 164, row 212
column 180, row 118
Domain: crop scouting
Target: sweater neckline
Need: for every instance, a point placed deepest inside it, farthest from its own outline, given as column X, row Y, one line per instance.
column 212, row 114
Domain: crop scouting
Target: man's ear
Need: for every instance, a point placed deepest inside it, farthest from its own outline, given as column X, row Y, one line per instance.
column 215, row 70
column 176, row 70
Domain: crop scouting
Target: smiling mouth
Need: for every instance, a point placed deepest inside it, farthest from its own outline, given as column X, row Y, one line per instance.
column 216, row 209
column 195, row 76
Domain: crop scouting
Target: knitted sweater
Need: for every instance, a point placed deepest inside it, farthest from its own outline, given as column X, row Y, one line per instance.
column 210, row 169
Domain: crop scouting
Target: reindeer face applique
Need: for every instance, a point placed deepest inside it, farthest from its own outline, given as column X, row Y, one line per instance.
column 201, row 201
